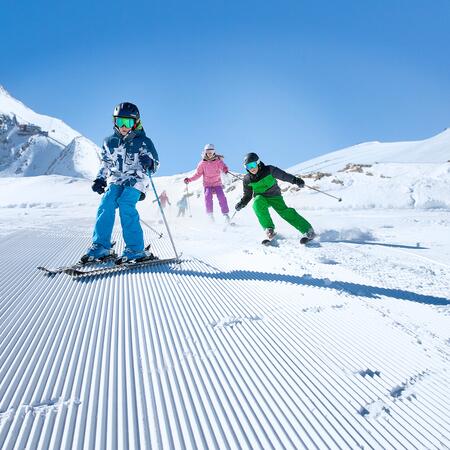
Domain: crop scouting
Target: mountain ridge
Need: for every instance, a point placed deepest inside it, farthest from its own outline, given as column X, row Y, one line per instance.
column 33, row 144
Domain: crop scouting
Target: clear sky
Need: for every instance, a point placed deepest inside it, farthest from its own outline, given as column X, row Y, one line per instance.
column 288, row 79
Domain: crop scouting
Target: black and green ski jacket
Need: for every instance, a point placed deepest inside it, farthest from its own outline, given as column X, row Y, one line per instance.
column 264, row 182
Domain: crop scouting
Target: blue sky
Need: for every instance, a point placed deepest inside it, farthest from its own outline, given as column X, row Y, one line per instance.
column 288, row 79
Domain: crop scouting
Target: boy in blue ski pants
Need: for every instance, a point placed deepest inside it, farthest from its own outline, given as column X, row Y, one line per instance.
column 127, row 156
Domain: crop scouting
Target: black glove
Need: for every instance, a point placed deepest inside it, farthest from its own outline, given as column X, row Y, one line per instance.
column 299, row 182
column 239, row 206
column 99, row 185
column 146, row 162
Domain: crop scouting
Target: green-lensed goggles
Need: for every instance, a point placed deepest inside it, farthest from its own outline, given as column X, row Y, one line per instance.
column 124, row 122
column 251, row 165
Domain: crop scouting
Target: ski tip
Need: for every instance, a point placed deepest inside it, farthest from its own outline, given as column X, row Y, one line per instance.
column 48, row 271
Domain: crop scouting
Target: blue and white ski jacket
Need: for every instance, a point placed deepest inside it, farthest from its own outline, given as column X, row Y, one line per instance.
column 120, row 159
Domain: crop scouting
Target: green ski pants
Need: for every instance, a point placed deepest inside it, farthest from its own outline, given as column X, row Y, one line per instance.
column 261, row 206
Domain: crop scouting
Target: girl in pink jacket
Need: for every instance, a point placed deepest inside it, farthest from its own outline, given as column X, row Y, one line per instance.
column 210, row 169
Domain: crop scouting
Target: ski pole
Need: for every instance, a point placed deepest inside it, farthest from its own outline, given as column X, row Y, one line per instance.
column 163, row 215
column 339, row 199
column 187, row 201
column 237, row 177
column 160, row 235
column 229, row 222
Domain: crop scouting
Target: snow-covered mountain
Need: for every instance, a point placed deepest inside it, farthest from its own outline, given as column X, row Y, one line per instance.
column 383, row 175
column 433, row 150
column 34, row 144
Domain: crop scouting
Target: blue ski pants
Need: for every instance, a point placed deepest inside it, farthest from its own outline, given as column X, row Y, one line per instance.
column 124, row 198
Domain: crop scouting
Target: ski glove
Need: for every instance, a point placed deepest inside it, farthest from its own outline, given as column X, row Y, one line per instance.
column 299, row 182
column 186, row 180
column 146, row 162
column 239, row 206
column 99, row 185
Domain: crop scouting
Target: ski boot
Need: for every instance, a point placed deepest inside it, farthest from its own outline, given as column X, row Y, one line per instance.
column 270, row 233
column 96, row 252
column 129, row 255
column 308, row 236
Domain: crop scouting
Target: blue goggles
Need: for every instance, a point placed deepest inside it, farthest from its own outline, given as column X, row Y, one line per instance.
column 251, row 165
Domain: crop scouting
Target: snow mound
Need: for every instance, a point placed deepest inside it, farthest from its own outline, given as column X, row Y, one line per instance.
column 79, row 157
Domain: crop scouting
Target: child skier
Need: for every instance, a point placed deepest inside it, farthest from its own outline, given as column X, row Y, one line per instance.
column 127, row 155
column 163, row 200
column 210, row 169
column 260, row 182
column 182, row 205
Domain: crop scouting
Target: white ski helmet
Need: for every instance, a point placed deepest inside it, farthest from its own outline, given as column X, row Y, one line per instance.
column 209, row 147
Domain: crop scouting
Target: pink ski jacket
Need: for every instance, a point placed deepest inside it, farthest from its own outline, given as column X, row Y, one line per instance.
column 210, row 170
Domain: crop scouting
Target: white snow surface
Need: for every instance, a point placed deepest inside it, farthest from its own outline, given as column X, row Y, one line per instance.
column 343, row 344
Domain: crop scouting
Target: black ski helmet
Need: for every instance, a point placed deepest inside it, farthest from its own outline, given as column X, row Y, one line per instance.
column 251, row 157
column 127, row 110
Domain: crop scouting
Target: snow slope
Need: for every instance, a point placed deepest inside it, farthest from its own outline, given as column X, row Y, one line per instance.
column 33, row 144
column 341, row 345
column 384, row 175
column 80, row 156
column 433, row 150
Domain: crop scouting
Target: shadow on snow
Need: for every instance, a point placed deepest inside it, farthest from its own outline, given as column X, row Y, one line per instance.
column 361, row 290
column 362, row 242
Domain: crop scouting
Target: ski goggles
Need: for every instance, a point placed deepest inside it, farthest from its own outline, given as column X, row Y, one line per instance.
column 124, row 122
column 251, row 165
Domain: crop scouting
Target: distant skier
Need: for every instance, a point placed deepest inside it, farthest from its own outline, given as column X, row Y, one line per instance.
column 210, row 168
column 127, row 155
column 163, row 200
column 261, row 184
column 182, row 205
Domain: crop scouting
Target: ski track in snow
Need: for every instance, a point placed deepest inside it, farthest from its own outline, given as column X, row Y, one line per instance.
column 217, row 354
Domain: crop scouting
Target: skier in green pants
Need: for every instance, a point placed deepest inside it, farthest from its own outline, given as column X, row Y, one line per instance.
column 260, row 182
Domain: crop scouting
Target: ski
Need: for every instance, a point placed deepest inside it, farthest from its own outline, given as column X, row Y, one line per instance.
column 78, row 265
column 79, row 272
